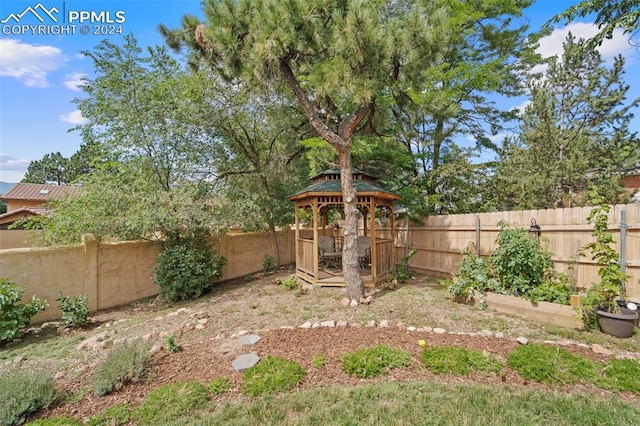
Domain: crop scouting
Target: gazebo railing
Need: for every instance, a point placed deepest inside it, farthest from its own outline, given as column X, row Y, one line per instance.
column 305, row 256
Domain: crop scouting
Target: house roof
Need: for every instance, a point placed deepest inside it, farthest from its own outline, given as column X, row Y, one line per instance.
column 39, row 192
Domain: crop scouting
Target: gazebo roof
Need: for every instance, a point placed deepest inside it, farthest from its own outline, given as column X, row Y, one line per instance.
column 328, row 182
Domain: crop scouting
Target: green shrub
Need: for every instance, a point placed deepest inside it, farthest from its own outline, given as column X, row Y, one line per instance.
column 474, row 274
column 461, row 361
column 186, row 269
column 171, row 345
column 171, row 402
column 219, row 385
column 23, row 393
column 75, row 310
column 551, row 365
column 127, row 362
column 520, row 261
column 290, row 282
column 372, row 362
column 400, row 272
column 15, row 317
column 554, row 292
column 116, row 415
column 319, row 361
column 268, row 265
column 271, row 375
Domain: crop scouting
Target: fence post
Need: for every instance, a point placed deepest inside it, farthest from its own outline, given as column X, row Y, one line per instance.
column 478, row 235
column 90, row 244
column 623, row 240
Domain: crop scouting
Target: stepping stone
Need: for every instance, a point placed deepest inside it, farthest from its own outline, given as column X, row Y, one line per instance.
column 245, row 361
column 248, row 339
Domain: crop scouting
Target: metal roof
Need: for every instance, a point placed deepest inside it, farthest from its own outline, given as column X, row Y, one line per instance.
column 333, row 186
column 39, row 192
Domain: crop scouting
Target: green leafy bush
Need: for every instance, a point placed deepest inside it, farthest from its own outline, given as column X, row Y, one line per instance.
column 75, row 310
column 520, row 261
column 219, row 385
column 290, row 282
column 127, row 362
column 171, row 344
column 461, row 361
column 319, row 361
column 271, row 375
column 400, row 273
column 474, row 274
column 551, row 365
column 372, row 362
column 519, row 266
column 171, row 402
column 14, row 317
column 22, row 393
column 268, row 265
column 186, row 269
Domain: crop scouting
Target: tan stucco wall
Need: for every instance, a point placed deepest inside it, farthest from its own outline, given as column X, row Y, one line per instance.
column 114, row 274
column 16, row 238
column 18, row 204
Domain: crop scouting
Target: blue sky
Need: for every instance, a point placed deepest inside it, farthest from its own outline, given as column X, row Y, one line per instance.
column 39, row 72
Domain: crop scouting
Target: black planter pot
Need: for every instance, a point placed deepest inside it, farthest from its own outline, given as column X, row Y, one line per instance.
column 618, row 325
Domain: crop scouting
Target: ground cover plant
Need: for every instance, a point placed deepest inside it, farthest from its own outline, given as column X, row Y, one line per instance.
column 264, row 307
column 23, row 393
column 271, row 375
column 366, row 363
column 127, row 362
column 457, row 360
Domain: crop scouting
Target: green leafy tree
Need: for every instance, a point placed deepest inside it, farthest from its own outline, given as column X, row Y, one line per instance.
column 258, row 160
column 610, row 15
column 575, row 135
column 52, row 168
column 339, row 59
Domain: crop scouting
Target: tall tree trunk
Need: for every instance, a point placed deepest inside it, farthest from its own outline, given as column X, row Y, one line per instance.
column 350, row 265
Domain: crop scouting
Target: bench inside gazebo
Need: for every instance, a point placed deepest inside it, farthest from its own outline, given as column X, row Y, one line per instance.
column 319, row 249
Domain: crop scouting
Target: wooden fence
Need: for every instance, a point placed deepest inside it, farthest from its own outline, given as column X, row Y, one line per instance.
column 441, row 239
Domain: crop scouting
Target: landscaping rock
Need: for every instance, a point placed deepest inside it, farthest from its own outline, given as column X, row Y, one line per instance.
column 345, row 301
column 499, row 335
column 383, row 324
column 315, row 325
column 411, row 328
column 371, row 323
column 354, row 303
column 248, row 339
column 306, row 325
column 439, row 330
column 599, row 349
column 485, row 333
column 330, row 323
column 245, row 361
column 342, row 324
column 522, row 340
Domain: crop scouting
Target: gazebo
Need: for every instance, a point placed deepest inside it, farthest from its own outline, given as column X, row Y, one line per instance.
column 319, row 249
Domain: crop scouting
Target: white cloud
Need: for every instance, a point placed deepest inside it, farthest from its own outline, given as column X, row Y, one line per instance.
column 74, row 117
column 552, row 44
column 74, row 81
column 29, row 63
column 12, row 169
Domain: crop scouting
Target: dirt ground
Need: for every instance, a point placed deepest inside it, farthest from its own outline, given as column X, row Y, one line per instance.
column 207, row 332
